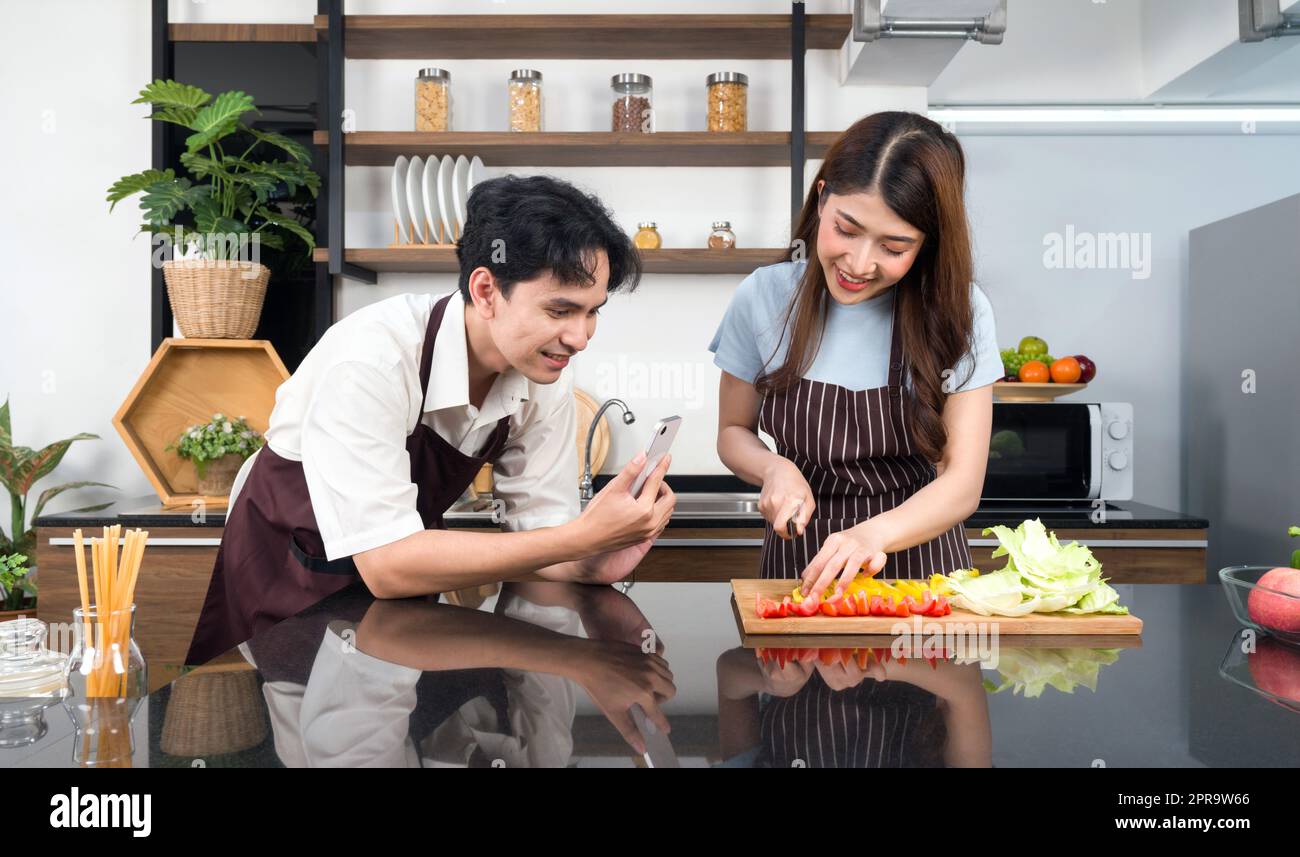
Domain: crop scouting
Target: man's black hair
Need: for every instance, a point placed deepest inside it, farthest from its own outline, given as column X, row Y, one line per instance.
column 520, row 227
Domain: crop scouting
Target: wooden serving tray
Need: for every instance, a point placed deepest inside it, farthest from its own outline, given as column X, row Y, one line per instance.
column 744, row 593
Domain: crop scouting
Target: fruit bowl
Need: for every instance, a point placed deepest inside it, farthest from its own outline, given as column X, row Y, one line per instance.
column 1268, row 667
column 1266, row 609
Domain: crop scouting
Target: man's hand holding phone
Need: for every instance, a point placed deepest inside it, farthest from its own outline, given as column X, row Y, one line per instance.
column 615, row 519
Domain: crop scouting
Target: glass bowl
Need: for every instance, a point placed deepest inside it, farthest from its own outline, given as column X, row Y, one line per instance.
column 1241, row 585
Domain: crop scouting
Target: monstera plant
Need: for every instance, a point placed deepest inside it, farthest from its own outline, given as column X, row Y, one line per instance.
column 233, row 183
column 20, row 469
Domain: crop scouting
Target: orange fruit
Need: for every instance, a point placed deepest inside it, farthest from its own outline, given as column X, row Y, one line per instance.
column 1034, row 372
column 1066, row 371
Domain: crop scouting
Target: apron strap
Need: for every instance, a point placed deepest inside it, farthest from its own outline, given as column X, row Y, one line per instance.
column 342, row 565
column 895, row 351
column 426, row 353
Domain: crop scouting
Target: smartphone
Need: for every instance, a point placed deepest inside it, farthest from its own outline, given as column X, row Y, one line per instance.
column 660, row 442
column 659, row 751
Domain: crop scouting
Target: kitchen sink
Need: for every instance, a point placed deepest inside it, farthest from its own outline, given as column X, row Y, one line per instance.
column 690, row 506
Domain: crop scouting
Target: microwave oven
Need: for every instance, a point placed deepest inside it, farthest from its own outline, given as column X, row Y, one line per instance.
column 1068, row 451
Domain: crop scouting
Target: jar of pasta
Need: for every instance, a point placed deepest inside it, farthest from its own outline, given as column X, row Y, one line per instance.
column 728, row 101
column 433, row 100
column 632, row 111
column 525, row 89
column 647, row 236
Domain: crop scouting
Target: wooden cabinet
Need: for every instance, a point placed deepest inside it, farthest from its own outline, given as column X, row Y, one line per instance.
column 168, row 594
column 179, row 560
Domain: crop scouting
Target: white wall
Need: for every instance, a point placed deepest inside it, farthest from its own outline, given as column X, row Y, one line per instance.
column 76, row 300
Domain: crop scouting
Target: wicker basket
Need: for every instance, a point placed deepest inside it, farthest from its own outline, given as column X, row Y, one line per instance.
column 213, row 713
column 219, row 476
column 215, row 299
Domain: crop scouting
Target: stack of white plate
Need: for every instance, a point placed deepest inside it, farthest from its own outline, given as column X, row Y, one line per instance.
column 430, row 196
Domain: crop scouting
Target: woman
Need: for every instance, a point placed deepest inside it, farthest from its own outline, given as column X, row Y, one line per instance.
column 867, row 356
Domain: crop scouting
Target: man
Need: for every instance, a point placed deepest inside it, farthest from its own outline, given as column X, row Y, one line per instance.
column 399, row 405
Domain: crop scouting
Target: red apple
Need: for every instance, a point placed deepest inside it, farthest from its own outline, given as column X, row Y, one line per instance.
column 1275, row 667
column 1278, row 609
column 1088, row 369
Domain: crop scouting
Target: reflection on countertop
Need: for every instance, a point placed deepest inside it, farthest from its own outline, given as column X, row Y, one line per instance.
column 543, row 674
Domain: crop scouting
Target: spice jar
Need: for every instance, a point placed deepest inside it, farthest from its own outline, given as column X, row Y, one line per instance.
column 647, row 236
column 728, row 101
column 722, row 238
column 525, row 90
column 433, row 100
column 632, row 111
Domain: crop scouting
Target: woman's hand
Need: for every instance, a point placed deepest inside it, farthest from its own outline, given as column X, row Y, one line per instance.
column 786, row 495
column 841, row 556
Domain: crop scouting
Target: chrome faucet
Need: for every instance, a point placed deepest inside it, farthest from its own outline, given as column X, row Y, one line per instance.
column 584, row 487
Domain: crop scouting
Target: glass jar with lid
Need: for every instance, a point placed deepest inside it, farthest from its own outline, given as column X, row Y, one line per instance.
column 647, row 236
column 728, row 101
column 31, row 680
column 525, row 95
column 433, row 100
column 632, row 109
column 722, row 238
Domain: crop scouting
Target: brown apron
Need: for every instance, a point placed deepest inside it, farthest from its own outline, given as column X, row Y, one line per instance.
column 271, row 563
column 855, row 449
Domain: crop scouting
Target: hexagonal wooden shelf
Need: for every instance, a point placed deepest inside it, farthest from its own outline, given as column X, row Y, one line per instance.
column 186, row 382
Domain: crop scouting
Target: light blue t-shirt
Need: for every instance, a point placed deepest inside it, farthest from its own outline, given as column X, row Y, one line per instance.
column 854, row 351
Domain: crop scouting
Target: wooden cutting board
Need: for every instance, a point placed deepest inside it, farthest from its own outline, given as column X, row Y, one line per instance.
column 1058, row 624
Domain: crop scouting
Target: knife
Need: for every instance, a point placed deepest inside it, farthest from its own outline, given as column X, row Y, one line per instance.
column 789, row 524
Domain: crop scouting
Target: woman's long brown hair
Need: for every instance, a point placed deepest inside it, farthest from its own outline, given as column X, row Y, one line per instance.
column 918, row 169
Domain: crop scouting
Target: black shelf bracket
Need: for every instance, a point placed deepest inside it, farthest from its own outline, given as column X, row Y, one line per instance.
column 334, row 187
column 797, row 120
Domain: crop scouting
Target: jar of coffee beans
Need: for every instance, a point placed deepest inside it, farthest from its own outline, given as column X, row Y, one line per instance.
column 728, row 101
column 433, row 100
column 525, row 90
column 632, row 111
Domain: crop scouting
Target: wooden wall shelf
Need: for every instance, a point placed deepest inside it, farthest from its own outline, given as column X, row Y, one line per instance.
column 669, row 260
column 669, row 37
column 583, row 148
column 186, row 382
column 242, row 33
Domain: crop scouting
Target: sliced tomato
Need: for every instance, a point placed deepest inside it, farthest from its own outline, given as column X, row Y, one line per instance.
column 806, row 656
column 828, row 608
column 863, row 657
column 901, row 610
column 808, row 607
column 862, row 605
column 846, row 606
column 876, row 605
column 828, row 657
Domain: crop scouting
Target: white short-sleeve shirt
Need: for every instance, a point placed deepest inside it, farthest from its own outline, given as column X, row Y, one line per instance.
column 347, row 411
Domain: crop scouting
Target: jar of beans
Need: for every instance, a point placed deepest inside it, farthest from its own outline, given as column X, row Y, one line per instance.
column 525, row 89
column 728, row 101
column 632, row 109
column 433, row 100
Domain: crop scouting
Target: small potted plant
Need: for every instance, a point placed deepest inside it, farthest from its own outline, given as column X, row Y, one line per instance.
column 236, row 201
column 218, row 449
column 17, row 588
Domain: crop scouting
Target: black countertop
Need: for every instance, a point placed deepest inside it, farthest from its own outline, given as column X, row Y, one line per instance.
column 146, row 512
column 522, row 679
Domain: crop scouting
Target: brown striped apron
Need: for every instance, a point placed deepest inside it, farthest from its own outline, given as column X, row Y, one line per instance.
column 271, row 563
column 876, row 724
column 854, row 447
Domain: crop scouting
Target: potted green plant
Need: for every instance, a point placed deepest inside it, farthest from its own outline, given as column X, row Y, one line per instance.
column 17, row 588
column 20, row 469
column 230, row 206
column 217, row 450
